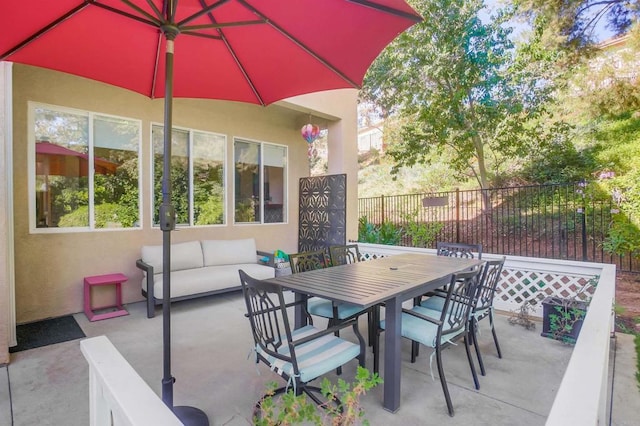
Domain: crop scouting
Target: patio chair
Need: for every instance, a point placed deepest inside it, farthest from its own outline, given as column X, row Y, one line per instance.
column 308, row 261
column 344, row 254
column 440, row 329
column 335, row 312
column 468, row 251
column 483, row 307
column 300, row 355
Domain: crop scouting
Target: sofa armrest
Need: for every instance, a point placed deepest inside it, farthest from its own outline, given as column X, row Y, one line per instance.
column 266, row 254
column 148, row 269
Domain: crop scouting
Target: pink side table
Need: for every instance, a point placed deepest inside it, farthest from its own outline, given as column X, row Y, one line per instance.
column 110, row 279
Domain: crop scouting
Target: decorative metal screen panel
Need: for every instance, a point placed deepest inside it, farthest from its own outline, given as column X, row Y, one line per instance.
column 323, row 212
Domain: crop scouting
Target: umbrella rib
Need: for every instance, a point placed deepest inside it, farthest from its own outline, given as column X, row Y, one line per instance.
column 215, row 25
column 155, row 68
column 206, row 9
column 157, row 11
column 154, row 22
column 301, row 45
column 196, row 34
column 43, row 30
column 157, row 19
column 253, row 87
column 387, row 9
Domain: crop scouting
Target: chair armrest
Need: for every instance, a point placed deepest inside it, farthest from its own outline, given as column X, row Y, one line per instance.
column 330, row 330
column 148, row 269
column 423, row 317
column 267, row 254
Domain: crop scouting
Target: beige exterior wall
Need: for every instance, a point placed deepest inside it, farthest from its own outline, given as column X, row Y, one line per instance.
column 50, row 268
column 337, row 111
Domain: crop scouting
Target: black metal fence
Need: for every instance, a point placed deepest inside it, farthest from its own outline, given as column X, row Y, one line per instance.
column 548, row 221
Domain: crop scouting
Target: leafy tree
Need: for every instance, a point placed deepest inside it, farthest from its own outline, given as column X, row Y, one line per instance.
column 572, row 22
column 459, row 86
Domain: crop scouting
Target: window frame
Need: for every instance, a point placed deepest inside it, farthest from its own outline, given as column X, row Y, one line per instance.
column 190, row 142
column 285, row 178
column 31, row 170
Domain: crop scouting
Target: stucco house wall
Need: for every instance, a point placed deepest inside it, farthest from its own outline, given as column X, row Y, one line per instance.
column 49, row 268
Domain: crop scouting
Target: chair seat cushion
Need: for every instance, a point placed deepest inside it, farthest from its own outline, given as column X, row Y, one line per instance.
column 422, row 331
column 324, row 308
column 316, row 357
column 434, row 302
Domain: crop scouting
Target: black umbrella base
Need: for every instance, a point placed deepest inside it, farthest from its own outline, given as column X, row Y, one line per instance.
column 191, row 416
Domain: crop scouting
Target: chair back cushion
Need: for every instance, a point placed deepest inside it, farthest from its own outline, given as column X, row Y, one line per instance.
column 229, row 252
column 183, row 256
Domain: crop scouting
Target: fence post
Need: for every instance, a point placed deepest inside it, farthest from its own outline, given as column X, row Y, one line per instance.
column 382, row 203
column 457, row 215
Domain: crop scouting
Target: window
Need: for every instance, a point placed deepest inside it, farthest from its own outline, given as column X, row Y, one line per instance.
column 260, row 182
column 86, row 170
column 197, row 176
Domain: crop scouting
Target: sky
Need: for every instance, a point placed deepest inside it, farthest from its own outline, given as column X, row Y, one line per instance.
column 601, row 33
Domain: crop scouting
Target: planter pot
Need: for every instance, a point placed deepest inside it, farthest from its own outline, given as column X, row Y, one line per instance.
column 562, row 318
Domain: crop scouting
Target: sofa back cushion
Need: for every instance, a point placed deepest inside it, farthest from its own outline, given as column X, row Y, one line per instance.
column 183, row 256
column 229, row 252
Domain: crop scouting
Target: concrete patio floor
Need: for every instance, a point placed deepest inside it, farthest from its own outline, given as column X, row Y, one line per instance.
column 211, row 347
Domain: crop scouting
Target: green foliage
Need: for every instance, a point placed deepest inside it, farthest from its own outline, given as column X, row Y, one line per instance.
column 571, row 23
column 456, row 85
column 422, row 234
column 562, row 322
column 387, row 233
column 292, row 409
column 106, row 216
column 390, row 233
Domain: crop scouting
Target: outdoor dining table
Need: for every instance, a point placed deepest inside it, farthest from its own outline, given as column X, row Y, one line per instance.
column 391, row 280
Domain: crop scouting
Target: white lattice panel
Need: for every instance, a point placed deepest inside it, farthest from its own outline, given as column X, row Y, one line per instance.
column 523, row 279
column 517, row 286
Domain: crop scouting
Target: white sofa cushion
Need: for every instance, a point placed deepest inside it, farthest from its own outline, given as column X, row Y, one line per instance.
column 229, row 252
column 183, row 256
column 202, row 280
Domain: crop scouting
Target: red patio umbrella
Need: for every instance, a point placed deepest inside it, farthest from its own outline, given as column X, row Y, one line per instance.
column 257, row 51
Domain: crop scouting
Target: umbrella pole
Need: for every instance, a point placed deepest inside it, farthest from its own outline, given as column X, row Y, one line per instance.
column 187, row 415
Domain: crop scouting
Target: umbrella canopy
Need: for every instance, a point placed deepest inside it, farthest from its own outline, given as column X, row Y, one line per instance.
column 256, row 51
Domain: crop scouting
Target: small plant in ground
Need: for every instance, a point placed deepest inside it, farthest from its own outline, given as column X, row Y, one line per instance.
column 342, row 406
column 522, row 317
column 386, row 233
column 422, row 234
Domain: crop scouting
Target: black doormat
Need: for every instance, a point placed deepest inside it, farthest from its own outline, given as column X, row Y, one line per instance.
column 47, row 332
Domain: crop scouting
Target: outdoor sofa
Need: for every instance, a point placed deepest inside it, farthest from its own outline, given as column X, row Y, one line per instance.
column 201, row 268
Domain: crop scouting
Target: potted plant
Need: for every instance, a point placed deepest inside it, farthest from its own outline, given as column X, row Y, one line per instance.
column 562, row 317
column 341, row 408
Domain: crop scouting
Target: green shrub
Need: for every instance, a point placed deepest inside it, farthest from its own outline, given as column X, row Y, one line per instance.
column 292, row 409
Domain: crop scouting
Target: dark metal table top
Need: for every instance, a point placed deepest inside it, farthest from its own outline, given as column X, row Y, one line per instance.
column 368, row 283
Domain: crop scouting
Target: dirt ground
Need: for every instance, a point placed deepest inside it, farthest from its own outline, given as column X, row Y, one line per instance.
column 628, row 302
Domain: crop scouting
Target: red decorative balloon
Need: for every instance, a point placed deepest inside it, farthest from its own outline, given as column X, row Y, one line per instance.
column 310, row 132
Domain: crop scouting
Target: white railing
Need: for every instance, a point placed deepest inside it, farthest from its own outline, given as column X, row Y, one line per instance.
column 117, row 394
column 524, row 279
column 582, row 397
